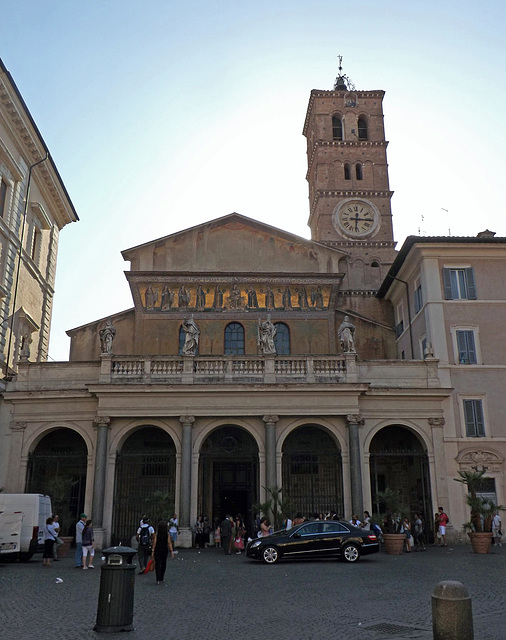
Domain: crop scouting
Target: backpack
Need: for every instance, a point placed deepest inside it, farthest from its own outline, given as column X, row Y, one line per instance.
column 144, row 537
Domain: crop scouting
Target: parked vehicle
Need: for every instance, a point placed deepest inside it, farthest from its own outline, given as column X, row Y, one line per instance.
column 10, row 532
column 35, row 509
column 323, row 538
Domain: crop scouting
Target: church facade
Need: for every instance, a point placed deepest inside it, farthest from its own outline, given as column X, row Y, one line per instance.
column 253, row 359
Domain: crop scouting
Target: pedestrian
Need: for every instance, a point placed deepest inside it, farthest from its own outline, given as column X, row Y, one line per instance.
column 174, row 529
column 199, row 533
column 419, row 533
column 443, row 522
column 437, row 535
column 144, row 537
column 88, row 542
column 406, row 530
column 265, row 527
column 299, row 519
column 239, row 532
column 355, row 522
column 59, row 541
column 226, row 534
column 366, row 524
column 217, row 536
column 49, row 540
column 162, row 543
column 496, row 529
column 81, row 523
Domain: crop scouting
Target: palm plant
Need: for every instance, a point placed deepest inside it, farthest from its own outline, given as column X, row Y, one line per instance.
column 481, row 508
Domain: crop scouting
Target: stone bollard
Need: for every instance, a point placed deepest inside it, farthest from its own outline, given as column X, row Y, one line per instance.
column 452, row 615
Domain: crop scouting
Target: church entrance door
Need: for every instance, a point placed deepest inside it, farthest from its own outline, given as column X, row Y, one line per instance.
column 228, row 475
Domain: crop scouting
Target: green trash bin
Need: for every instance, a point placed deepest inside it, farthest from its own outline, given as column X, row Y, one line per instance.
column 115, row 610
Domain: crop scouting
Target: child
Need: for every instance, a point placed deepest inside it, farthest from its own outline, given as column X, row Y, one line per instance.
column 217, row 537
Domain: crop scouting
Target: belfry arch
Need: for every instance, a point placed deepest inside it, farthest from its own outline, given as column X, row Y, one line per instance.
column 145, row 481
column 57, row 467
column 398, row 460
column 312, row 471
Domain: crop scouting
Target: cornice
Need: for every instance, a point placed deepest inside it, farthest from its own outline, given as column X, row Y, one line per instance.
column 329, row 193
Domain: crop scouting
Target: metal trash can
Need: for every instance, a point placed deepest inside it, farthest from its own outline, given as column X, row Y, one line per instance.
column 115, row 610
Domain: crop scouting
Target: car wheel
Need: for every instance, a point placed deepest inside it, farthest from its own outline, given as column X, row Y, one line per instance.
column 270, row 555
column 350, row 553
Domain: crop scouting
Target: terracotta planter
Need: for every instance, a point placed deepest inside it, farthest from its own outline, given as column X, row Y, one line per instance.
column 394, row 543
column 481, row 542
column 63, row 551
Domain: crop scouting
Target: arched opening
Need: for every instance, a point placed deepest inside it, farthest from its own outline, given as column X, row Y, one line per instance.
column 359, row 171
column 145, row 482
column 362, row 128
column 312, row 471
column 347, row 171
column 57, row 467
column 282, row 339
column 234, row 339
column 228, row 475
column 398, row 461
column 337, row 128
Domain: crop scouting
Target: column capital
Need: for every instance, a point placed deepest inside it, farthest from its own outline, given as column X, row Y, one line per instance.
column 17, row 425
column 270, row 419
column 436, row 422
column 355, row 418
column 187, row 420
column 102, row 421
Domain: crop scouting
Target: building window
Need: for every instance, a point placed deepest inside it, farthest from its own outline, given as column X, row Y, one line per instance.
column 466, row 346
column 459, row 284
column 3, row 198
column 473, row 415
column 362, row 129
column 35, row 244
column 234, row 339
column 282, row 339
column 358, row 170
column 337, row 128
column 347, row 172
column 399, row 321
column 418, row 298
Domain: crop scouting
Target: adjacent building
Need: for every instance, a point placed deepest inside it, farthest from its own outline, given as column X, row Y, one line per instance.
column 253, row 359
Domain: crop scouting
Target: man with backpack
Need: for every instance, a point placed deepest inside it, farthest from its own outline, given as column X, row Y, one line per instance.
column 144, row 537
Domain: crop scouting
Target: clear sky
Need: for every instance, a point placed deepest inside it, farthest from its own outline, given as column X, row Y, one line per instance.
column 163, row 114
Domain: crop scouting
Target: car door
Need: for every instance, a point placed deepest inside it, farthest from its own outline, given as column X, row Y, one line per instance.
column 304, row 541
column 332, row 536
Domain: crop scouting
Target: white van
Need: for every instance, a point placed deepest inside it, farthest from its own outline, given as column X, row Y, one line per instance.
column 35, row 509
column 10, row 532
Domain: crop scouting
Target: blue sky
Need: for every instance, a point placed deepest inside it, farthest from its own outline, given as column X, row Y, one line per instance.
column 161, row 115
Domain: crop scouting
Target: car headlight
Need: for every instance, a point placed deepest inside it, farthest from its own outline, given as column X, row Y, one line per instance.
column 255, row 544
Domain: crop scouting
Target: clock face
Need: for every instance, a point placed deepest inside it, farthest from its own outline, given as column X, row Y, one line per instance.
column 356, row 218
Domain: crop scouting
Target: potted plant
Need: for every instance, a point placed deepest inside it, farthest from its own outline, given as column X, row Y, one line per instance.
column 393, row 540
column 480, row 524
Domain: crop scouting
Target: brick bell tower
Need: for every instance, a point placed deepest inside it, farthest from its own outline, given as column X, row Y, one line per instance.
column 349, row 194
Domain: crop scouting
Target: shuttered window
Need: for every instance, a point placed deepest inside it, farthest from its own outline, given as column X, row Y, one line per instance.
column 473, row 415
column 466, row 347
column 459, row 284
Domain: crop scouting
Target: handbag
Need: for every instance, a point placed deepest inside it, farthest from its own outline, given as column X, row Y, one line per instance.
column 238, row 543
column 150, row 566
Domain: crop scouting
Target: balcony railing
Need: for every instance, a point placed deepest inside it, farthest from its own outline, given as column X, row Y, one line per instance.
column 234, row 369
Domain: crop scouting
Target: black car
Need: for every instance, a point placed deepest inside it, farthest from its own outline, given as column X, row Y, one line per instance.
column 315, row 539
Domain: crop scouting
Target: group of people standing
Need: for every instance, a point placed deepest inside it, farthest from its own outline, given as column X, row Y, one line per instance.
column 232, row 533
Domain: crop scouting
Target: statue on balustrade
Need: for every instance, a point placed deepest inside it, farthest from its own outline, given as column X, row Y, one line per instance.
column 107, row 337
column 192, row 334
column 346, row 334
column 266, row 334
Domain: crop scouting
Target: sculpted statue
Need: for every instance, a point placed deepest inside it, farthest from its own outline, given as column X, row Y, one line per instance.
column 346, row 334
column 107, row 337
column 151, row 297
column 192, row 334
column 266, row 334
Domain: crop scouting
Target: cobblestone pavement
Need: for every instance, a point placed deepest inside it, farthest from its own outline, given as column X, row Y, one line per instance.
column 207, row 594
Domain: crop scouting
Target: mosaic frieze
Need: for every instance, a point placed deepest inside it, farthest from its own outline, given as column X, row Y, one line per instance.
column 235, row 296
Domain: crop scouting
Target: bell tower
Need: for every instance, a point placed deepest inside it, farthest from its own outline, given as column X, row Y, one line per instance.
column 349, row 194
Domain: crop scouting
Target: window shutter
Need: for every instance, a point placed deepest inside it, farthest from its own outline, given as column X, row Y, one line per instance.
column 462, row 348
column 471, row 286
column 447, row 284
column 469, row 418
column 480, row 423
column 471, row 349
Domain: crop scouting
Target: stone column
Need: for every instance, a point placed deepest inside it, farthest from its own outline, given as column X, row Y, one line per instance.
column 357, row 504
column 102, row 426
column 185, row 538
column 270, row 451
column 16, row 475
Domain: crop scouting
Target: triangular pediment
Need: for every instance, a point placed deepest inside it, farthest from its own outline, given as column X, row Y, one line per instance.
column 234, row 244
